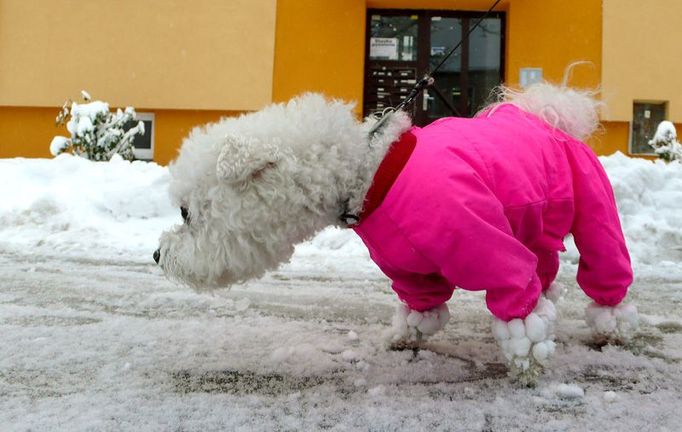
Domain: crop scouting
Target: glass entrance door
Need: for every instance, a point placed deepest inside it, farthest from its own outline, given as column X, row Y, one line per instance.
column 444, row 98
column 403, row 45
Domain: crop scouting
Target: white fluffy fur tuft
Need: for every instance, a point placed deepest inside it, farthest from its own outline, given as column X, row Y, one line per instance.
column 575, row 112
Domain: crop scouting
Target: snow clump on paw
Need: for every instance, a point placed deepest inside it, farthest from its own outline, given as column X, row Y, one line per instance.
column 409, row 325
column 612, row 324
column 528, row 344
column 555, row 291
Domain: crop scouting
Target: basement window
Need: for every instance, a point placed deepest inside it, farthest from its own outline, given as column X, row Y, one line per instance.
column 144, row 144
column 645, row 119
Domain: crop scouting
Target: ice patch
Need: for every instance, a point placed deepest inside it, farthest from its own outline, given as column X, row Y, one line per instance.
column 610, row 396
column 242, row 305
column 377, row 391
column 570, row 391
column 349, row 356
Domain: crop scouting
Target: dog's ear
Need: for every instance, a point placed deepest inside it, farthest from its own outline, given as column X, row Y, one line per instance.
column 244, row 158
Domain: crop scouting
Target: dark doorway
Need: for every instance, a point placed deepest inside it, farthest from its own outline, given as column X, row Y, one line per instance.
column 402, row 45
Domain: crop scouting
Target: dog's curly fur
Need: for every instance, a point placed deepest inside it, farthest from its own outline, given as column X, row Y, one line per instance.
column 257, row 185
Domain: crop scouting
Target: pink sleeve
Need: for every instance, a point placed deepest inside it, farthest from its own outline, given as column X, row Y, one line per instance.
column 422, row 292
column 476, row 249
column 604, row 270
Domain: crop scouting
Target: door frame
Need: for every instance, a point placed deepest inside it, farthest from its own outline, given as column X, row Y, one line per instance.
column 424, row 51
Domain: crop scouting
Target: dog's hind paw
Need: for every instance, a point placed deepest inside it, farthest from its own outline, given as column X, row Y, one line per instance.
column 612, row 324
column 409, row 326
column 528, row 344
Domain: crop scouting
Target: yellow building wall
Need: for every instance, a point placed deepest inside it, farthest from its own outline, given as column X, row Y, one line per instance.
column 174, row 125
column 28, row 131
column 641, row 56
column 613, row 137
column 187, row 62
column 167, row 54
column 319, row 46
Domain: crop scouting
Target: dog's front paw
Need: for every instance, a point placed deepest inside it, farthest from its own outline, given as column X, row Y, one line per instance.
column 612, row 324
column 409, row 326
column 528, row 344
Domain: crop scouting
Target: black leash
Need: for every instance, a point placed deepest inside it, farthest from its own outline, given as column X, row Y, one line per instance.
column 428, row 79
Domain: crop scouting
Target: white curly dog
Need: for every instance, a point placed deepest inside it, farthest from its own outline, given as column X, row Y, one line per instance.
column 251, row 188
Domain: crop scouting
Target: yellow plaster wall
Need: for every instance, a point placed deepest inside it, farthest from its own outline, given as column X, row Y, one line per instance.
column 319, row 46
column 641, row 56
column 612, row 138
column 553, row 34
column 28, row 131
column 173, row 125
column 170, row 54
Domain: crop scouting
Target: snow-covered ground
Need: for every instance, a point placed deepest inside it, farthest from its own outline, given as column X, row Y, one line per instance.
column 92, row 337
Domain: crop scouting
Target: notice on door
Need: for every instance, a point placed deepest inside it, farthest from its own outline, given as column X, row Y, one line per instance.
column 383, row 48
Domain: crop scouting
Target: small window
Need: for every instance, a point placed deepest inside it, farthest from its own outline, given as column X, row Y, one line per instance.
column 144, row 144
column 645, row 119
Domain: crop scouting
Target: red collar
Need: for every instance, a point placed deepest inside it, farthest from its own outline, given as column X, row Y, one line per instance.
column 390, row 168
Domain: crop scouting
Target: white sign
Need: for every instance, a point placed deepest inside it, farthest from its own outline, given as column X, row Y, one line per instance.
column 383, row 48
column 529, row 76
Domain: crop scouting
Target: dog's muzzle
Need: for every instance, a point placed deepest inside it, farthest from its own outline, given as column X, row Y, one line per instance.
column 157, row 255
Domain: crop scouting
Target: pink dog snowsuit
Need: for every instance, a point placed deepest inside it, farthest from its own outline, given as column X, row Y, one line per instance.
column 485, row 203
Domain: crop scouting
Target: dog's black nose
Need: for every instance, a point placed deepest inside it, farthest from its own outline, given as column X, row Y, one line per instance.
column 157, row 255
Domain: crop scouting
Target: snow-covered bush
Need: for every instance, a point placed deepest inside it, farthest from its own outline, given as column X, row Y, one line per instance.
column 665, row 142
column 96, row 133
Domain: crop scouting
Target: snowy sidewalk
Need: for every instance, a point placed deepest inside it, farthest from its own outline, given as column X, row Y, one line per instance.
column 93, row 338
column 89, row 344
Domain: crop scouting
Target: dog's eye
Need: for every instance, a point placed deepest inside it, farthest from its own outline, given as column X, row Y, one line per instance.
column 185, row 214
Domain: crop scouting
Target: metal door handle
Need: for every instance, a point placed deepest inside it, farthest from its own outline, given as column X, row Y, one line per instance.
column 425, row 100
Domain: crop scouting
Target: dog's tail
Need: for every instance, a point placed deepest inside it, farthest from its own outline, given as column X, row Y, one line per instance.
column 574, row 111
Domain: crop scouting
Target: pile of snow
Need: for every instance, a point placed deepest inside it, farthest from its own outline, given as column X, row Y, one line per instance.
column 72, row 206
column 83, row 116
column 649, row 197
column 665, row 142
column 59, row 144
column 96, row 133
column 665, row 132
column 69, row 205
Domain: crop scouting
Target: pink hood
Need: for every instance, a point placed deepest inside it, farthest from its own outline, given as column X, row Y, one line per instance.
column 479, row 199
